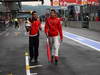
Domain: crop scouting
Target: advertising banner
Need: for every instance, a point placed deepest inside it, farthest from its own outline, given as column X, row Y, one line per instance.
column 55, row 3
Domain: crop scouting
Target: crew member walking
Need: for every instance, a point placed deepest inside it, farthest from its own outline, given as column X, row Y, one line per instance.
column 53, row 29
column 34, row 37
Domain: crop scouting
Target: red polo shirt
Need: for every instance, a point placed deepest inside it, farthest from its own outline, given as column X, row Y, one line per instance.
column 53, row 27
column 35, row 26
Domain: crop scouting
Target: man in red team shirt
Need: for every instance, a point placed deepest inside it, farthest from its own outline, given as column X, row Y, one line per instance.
column 34, row 37
column 53, row 29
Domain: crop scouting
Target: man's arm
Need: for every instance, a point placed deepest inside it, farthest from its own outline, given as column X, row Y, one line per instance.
column 60, row 30
column 46, row 28
column 40, row 25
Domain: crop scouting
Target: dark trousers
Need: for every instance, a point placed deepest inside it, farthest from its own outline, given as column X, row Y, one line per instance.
column 33, row 47
column 16, row 25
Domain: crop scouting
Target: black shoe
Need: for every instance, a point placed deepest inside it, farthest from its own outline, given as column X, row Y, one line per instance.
column 35, row 62
column 36, row 59
column 56, row 62
column 30, row 60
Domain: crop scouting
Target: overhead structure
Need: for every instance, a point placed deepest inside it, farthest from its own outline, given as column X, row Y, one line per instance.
column 14, row 5
column 20, row 0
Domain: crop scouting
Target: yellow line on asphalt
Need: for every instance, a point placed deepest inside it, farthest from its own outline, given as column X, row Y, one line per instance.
column 17, row 33
column 10, row 74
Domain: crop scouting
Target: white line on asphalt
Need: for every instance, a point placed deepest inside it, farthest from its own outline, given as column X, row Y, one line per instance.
column 33, row 73
column 36, row 66
column 82, row 43
column 29, row 67
column 27, row 64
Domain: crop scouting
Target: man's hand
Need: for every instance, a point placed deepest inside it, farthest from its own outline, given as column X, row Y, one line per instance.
column 61, row 40
column 47, row 35
column 40, row 29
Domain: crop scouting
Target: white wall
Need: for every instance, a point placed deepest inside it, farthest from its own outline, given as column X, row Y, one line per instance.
column 32, row 3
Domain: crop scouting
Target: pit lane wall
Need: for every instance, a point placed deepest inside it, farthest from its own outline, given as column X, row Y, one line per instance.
column 92, row 25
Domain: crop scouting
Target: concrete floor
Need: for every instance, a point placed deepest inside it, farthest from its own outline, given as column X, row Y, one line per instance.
column 75, row 59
